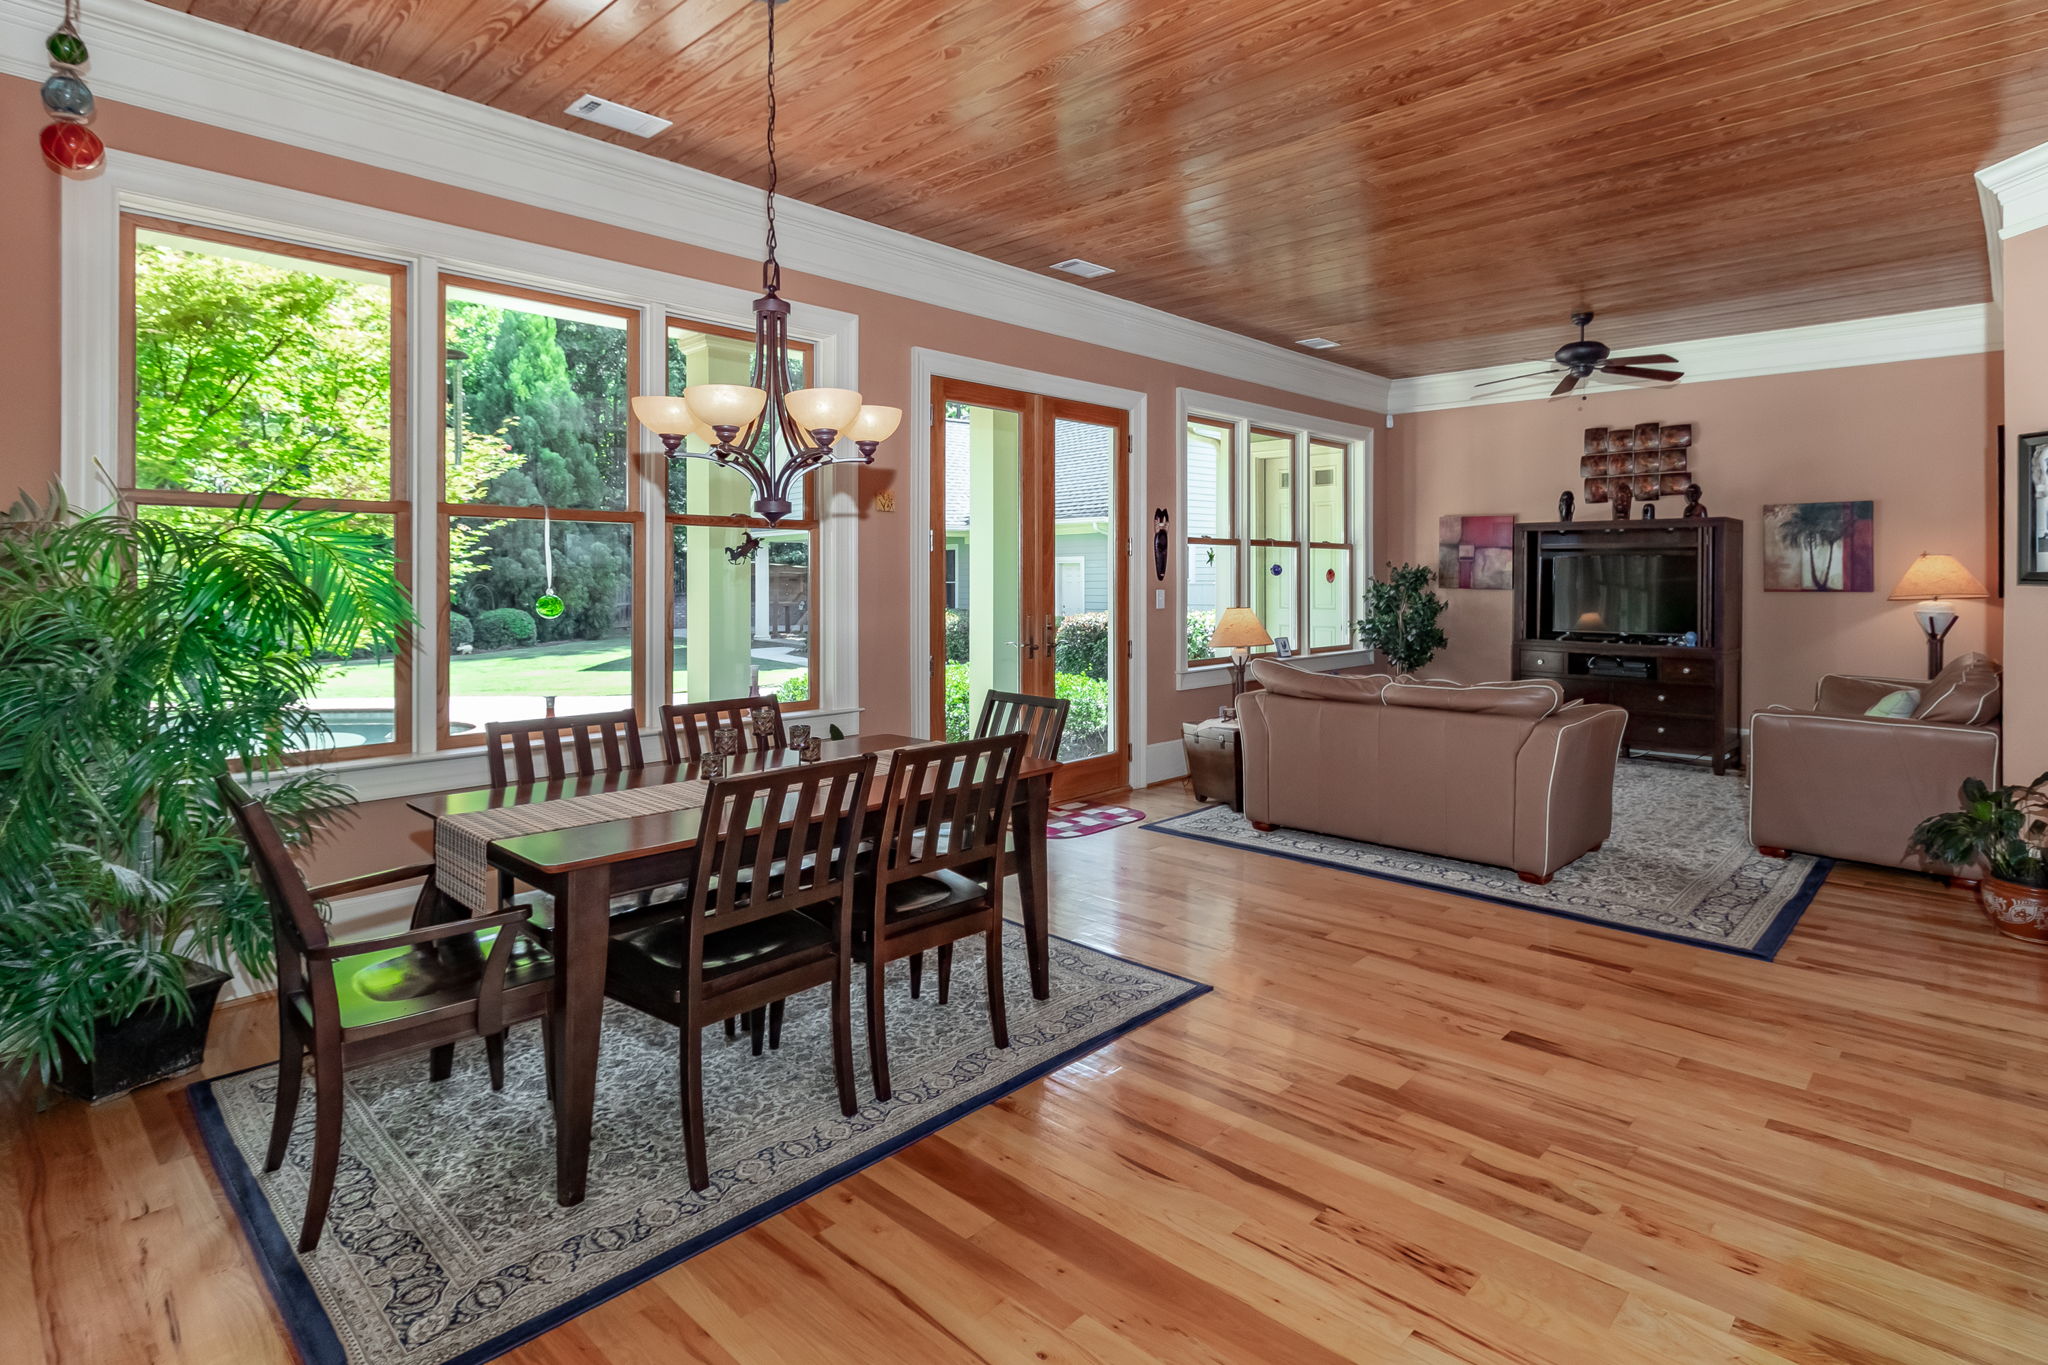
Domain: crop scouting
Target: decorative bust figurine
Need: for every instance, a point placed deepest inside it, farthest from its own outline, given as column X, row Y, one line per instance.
column 1565, row 503
column 1692, row 501
column 1624, row 494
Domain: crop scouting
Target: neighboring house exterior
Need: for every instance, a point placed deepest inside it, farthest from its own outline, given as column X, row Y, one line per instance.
column 1082, row 512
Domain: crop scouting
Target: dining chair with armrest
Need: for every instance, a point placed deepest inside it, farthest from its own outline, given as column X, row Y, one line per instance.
column 768, row 913
column 937, row 871
column 358, row 1001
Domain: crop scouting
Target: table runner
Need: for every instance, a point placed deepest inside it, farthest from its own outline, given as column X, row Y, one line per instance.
column 462, row 866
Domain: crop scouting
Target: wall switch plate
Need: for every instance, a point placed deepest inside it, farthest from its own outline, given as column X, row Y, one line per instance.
column 1159, row 598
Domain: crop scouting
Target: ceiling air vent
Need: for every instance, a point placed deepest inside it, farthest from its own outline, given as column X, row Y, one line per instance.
column 1087, row 270
column 617, row 116
column 1317, row 343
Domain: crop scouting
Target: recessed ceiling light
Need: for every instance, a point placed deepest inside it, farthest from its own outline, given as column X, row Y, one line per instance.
column 615, row 115
column 1087, row 270
column 1317, row 343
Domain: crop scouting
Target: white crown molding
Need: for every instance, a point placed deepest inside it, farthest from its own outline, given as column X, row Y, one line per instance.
column 2015, row 193
column 1968, row 329
column 166, row 60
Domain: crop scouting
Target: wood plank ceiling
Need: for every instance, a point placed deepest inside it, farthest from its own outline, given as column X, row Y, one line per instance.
column 1433, row 183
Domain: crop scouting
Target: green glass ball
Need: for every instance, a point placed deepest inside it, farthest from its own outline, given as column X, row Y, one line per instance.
column 67, row 48
column 549, row 606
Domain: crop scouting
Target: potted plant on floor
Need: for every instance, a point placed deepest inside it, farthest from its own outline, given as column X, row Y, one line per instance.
column 141, row 655
column 1401, row 614
column 2004, row 832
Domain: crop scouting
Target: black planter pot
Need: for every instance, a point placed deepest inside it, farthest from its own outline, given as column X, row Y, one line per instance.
column 150, row 1044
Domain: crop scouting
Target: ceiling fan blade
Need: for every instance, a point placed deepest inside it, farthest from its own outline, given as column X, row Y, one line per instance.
column 1513, row 378
column 1614, row 360
column 1566, row 385
column 1632, row 372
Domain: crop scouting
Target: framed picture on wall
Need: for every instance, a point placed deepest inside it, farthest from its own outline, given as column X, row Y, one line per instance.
column 2031, row 515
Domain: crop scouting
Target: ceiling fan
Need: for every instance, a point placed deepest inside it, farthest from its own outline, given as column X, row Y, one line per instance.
column 1582, row 359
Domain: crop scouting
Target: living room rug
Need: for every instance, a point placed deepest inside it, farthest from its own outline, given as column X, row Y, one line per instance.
column 445, row 1243
column 1679, row 864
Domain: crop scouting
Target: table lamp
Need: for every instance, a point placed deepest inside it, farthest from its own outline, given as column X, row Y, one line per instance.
column 1931, row 581
column 1239, row 630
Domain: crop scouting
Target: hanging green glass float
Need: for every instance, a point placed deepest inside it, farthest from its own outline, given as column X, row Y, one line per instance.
column 548, row 605
column 67, row 47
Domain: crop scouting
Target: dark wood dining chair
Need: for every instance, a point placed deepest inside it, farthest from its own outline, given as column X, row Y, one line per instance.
column 936, row 875
column 769, row 913
column 686, row 726
column 359, row 1001
column 1041, row 720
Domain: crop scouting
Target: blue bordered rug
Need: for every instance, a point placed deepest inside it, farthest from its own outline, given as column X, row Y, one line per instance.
column 445, row 1245
column 1678, row 865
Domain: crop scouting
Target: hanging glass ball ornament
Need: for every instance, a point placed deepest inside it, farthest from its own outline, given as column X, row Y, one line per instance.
column 72, row 147
column 549, row 606
column 67, row 98
column 67, row 47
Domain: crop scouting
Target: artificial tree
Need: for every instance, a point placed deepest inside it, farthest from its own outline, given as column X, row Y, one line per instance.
column 1401, row 614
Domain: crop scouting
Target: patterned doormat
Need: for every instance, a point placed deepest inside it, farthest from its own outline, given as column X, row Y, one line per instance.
column 445, row 1243
column 1072, row 819
column 1679, row 864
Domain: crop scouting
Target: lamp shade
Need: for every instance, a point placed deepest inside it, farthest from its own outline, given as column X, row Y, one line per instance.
column 874, row 423
column 1937, row 576
column 664, row 415
column 823, row 409
column 1239, row 628
column 725, row 405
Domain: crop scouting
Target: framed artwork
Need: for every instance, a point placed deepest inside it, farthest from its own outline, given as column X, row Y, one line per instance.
column 1819, row 547
column 1679, row 436
column 1476, row 552
column 1673, row 483
column 1648, row 486
column 1593, row 466
column 1599, row 490
column 1596, row 440
column 1622, row 463
column 1649, row 435
column 1621, row 438
column 2032, row 531
column 1283, row 648
column 1671, row 461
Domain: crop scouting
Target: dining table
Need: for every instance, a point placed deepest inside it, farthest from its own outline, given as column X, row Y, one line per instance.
column 582, row 867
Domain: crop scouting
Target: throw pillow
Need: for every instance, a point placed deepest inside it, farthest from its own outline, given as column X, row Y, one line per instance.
column 1900, row 703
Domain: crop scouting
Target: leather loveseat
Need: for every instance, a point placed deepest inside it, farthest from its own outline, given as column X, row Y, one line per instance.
column 1499, row 773
column 1842, row 783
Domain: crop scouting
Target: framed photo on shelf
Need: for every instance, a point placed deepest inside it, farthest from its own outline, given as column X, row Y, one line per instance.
column 2031, row 516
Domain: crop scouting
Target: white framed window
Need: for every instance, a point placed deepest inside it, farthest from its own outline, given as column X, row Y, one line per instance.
column 432, row 341
column 1274, row 515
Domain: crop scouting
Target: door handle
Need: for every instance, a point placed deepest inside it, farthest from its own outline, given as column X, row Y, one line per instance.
column 1052, row 633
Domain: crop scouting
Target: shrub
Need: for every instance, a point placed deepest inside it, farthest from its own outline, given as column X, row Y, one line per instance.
column 956, row 637
column 796, row 687
column 502, row 626
column 1082, row 645
column 1201, row 625
column 959, row 724
column 460, row 630
column 1087, row 699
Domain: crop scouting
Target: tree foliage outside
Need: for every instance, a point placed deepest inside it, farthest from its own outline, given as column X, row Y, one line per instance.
column 139, row 657
column 1401, row 614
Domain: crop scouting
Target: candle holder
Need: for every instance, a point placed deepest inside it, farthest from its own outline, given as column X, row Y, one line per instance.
column 813, row 749
column 799, row 736
column 725, row 741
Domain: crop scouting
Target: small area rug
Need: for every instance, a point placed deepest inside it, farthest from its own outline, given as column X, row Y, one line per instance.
column 445, row 1243
column 1072, row 819
column 1679, row 864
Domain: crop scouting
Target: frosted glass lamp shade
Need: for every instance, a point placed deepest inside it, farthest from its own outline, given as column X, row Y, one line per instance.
column 874, row 423
column 1937, row 577
column 725, row 405
column 1239, row 628
column 823, row 409
column 664, row 415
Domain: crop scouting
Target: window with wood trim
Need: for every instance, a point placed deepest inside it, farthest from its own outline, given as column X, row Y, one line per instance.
column 259, row 367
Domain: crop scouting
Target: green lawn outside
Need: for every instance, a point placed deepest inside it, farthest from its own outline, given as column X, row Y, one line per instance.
column 565, row 668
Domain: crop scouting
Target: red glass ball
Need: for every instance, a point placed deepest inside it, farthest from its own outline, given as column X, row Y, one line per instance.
column 72, row 147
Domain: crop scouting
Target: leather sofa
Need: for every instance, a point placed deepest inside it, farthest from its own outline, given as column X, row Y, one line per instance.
column 1500, row 773
column 1842, row 783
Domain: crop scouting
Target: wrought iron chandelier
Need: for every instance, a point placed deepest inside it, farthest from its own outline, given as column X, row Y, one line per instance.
column 812, row 424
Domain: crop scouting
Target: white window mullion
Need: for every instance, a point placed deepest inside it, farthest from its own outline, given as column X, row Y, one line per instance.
column 425, row 428
column 655, row 611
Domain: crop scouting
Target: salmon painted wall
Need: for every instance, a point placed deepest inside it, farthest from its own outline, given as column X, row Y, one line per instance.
column 889, row 328
column 2026, row 410
column 1914, row 437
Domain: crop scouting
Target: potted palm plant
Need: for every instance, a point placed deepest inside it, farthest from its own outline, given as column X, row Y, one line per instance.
column 140, row 656
column 2003, row 831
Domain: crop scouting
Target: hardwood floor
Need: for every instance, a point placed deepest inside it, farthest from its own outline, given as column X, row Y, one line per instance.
column 1404, row 1128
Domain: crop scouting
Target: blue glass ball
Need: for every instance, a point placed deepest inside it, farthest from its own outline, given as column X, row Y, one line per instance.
column 549, row 606
column 1274, row 569
column 66, row 97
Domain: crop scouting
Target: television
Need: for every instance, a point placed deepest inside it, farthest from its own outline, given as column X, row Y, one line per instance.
column 1618, row 594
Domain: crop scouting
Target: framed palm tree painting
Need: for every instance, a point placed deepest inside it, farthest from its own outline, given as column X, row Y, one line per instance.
column 1819, row 547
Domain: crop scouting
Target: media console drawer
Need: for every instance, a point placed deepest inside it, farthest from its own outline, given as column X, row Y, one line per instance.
column 1662, row 699
column 1545, row 663
column 1679, row 734
column 1680, row 668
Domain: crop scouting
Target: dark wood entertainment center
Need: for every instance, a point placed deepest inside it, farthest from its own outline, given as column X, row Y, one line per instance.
column 1683, row 701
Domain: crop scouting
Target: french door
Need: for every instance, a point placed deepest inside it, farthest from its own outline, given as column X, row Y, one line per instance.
column 1030, row 568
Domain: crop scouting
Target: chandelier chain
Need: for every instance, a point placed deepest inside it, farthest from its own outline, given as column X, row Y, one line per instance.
column 771, row 269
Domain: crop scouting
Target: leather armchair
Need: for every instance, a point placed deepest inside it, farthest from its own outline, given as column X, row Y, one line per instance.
column 1839, row 783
